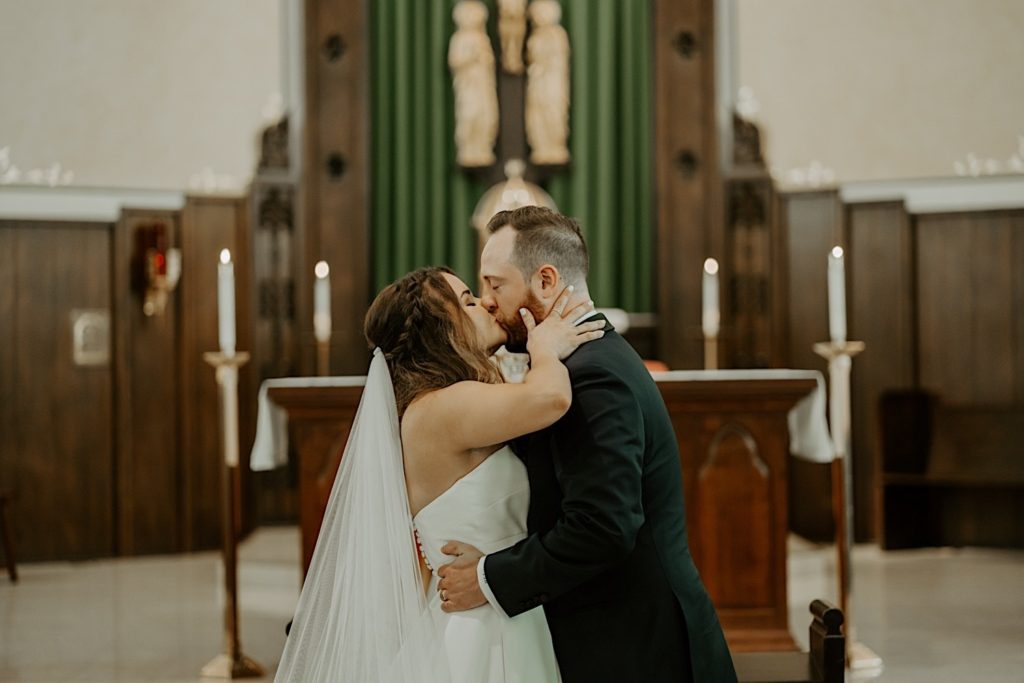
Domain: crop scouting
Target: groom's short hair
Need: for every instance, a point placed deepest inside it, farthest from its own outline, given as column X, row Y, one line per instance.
column 545, row 236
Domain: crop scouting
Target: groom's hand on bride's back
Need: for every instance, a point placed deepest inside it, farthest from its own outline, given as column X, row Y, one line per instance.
column 459, row 585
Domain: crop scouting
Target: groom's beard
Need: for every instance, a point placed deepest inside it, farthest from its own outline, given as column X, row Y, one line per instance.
column 516, row 328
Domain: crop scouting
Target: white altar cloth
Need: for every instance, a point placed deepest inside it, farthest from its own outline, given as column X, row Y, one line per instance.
column 270, row 447
column 808, row 431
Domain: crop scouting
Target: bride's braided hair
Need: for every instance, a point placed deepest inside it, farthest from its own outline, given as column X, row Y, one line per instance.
column 427, row 339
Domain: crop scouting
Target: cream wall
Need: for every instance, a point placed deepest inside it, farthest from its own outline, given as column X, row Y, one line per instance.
column 137, row 93
column 884, row 89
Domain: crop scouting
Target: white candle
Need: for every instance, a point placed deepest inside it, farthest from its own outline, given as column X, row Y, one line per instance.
column 710, row 314
column 836, row 296
column 226, row 303
column 322, row 302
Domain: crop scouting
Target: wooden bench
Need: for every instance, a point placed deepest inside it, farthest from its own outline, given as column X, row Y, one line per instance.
column 825, row 663
column 950, row 475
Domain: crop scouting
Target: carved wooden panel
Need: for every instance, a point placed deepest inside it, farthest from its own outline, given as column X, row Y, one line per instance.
column 749, row 320
column 687, row 182
column 334, row 200
column 276, row 348
column 734, row 494
column 734, row 447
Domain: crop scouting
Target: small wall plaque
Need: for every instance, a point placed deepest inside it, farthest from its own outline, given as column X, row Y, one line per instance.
column 90, row 336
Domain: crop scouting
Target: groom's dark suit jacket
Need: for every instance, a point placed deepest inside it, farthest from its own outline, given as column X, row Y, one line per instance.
column 607, row 554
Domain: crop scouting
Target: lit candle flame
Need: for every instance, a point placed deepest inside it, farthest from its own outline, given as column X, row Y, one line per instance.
column 711, row 266
column 837, row 252
column 321, row 269
column 225, row 256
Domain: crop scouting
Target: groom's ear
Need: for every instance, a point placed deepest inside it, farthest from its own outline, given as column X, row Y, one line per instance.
column 548, row 279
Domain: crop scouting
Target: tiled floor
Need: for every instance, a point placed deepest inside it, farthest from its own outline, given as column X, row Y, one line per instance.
column 934, row 616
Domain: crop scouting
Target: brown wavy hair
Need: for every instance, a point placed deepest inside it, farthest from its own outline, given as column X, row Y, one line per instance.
column 428, row 340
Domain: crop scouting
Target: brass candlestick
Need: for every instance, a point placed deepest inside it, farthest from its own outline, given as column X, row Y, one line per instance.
column 840, row 361
column 232, row 663
column 710, row 352
column 323, row 357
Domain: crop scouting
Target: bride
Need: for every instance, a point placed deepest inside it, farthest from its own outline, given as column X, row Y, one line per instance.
column 426, row 463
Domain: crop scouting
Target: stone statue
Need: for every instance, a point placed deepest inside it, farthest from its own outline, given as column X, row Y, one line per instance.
column 512, row 29
column 547, row 85
column 471, row 59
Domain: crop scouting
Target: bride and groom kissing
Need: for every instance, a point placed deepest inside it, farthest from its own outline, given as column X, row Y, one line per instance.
column 548, row 514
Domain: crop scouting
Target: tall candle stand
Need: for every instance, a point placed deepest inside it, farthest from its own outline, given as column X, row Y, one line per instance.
column 323, row 357
column 840, row 361
column 232, row 663
column 710, row 352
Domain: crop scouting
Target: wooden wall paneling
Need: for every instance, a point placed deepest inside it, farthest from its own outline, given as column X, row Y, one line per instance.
column 209, row 224
column 881, row 314
column 334, row 206
column 969, row 292
column 146, row 377
column 1017, row 257
column 992, row 274
column 9, row 454
column 811, row 224
column 248, row 382
column 940, row 245
column 688, row 193
column 63, row 413
column 779, row 282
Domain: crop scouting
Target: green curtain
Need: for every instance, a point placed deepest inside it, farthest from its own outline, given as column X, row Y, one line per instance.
column 422, row 201
column 609, row 187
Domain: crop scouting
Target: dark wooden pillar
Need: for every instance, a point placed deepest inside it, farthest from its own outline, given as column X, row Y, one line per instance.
column 687, row 177
column 334, row 201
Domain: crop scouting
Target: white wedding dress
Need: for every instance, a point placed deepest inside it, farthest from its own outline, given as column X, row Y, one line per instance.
column 487, row 509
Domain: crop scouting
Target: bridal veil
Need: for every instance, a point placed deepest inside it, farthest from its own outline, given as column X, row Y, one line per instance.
column 362, row 614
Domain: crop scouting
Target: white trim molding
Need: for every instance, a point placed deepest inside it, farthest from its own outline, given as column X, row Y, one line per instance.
column 81, row 204
column 941, row 195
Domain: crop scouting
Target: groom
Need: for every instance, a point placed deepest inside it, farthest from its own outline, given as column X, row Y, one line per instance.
column 607, row 554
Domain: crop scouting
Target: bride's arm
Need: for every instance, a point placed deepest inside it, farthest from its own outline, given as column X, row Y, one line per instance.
column 471, row 415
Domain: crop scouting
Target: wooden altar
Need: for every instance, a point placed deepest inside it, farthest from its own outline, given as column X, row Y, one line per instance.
column 734, row 446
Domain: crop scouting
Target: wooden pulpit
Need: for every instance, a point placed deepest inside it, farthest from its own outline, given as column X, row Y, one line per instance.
column 734, row 446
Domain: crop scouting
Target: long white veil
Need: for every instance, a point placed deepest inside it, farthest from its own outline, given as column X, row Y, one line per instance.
column 362, row 612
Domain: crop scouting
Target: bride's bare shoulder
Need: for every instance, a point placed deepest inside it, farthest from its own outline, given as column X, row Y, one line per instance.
column 435, row 413
column 438, row 404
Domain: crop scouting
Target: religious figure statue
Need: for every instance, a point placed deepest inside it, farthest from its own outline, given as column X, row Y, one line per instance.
column 547, row 85
column 512, row 30
column 471, row 59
